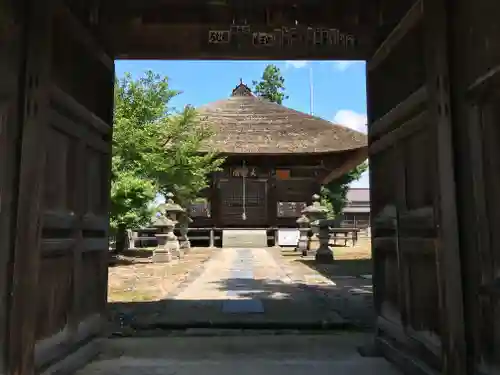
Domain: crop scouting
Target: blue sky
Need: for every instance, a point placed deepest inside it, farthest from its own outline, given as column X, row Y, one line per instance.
column 339, row 87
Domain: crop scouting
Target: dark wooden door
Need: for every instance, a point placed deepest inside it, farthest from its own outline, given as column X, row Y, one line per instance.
column 59, row 275
column 417, row 273
column 235, row 202
column 476, row 79
column 10, row 69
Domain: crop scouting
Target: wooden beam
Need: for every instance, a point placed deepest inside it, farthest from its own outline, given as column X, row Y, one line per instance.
column 449, row 267
column 400, row 113
column 355, row 158
column 137, row 41
column 412, row 125
column 83, row 35
column 407, row 23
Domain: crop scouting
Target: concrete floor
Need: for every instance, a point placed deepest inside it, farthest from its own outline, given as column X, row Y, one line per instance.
column 241, row 354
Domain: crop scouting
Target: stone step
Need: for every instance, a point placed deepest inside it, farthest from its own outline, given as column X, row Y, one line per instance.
column 245, row 355
column 244, row 238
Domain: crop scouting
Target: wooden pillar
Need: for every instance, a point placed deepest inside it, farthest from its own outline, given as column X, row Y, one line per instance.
column 10, row 132
column 438, row 80
column 272, row 202
column 35, row 95
column 215, row 201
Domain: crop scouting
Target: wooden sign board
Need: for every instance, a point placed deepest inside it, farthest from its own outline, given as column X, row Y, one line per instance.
column 290, row 41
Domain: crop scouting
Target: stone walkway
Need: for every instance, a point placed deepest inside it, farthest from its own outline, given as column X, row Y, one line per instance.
column 249, row 288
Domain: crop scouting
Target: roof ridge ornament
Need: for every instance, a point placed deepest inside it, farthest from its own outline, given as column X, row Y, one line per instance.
column 242, row 90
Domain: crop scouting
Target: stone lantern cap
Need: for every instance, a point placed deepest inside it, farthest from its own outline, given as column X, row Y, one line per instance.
column 303, row 220
column 170, row 206
column 163, row 222
column 315, row 207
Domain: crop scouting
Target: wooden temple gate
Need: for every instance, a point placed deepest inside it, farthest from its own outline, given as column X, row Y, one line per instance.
column 433, row 76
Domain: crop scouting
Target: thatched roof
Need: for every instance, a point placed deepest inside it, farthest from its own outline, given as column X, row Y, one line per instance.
column 247, row 124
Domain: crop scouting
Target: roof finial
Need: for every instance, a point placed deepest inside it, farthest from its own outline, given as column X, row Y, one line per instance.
column 241, row 81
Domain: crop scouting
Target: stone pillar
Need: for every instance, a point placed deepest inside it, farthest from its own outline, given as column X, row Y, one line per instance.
column 324, row 254
column 184, row 221
column 132, row 235
column 212, row 238
column 304, row 227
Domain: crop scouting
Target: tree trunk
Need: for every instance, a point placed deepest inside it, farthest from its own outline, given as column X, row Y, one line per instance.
column 121, row 239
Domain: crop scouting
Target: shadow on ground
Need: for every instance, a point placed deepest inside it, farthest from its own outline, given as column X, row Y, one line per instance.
column 128, row 257
column 347, row 303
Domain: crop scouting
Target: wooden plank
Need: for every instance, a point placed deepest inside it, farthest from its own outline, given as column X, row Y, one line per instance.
column 78, row 248
column 58, row 220
column 405, row 130
column 399, row 113
column 65, row 100
column 66, row 125
column 29, row 218
column 419, row 219
column 80, row 32
column 94, row 222
column 10, row 133
column 95, row 244
column 449, row 262
column 407, row 23
column 56, row 245
column 417, row 246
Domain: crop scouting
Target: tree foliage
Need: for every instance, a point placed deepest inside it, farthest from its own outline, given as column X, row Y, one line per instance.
column 271, row 85
column 155, row 149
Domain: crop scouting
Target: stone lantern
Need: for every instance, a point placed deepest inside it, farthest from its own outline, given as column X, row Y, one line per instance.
column 324, row 254
column 167, row 241
column 304, row 226
column 173, row 211
column 184, row 221
column 315, row 212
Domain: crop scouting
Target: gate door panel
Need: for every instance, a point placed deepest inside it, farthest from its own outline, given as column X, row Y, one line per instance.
column 61, row 245
column 418, row 293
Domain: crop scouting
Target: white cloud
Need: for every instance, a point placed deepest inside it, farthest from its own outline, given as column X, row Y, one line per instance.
column 296, row 63
column 351, row 119
column 343, row 65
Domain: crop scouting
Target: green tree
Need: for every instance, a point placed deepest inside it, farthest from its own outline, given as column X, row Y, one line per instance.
column 155, row 150
column 334, row 194
column 271, row 86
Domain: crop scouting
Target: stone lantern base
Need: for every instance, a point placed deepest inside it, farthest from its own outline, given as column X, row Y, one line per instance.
column 165, row 248
column 324, row 254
